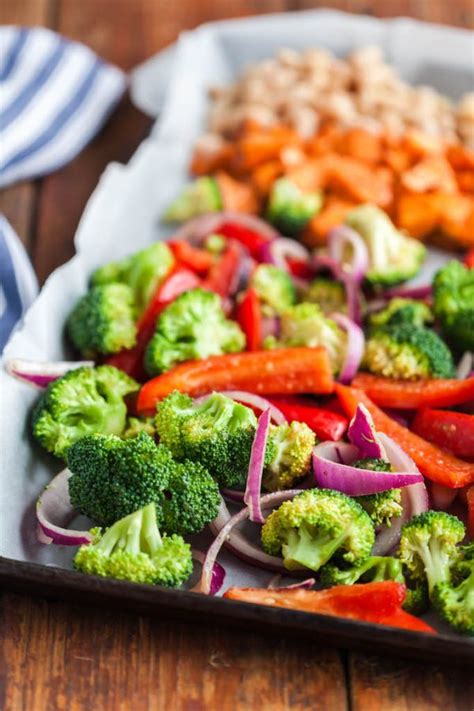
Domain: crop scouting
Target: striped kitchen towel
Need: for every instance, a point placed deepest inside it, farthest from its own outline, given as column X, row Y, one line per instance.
column 54, row 96
column 18, row 285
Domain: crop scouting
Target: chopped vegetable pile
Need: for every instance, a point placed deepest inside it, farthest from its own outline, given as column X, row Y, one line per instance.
column 282, row 365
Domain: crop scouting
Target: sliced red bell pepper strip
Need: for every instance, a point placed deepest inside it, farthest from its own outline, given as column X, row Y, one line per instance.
column 410, row 395
column 223, row 276
column 198, row 260
column 437, row 465
column 131, row 359
column 453, row 431
column 300, row 268
column 469, row 259
column 282, row 371
column 325, row 424
column 249, row 318
column 371, row 602
column 250, row 239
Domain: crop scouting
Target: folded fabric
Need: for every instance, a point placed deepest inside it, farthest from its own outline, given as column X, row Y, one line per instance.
column 55, row 95
column 18, row 285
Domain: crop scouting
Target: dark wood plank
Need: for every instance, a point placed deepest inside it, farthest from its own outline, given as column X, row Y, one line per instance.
column 59, row 656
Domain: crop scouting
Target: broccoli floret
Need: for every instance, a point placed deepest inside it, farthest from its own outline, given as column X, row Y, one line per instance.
column 328, row 294
column 455, row 601
column 317, row 526
column 377, row 569
column 133, row 549
column 393, row 256
column 142, row 272
column 409, row 353
column 289, row 208
column 135, row 425
column 215, row 243
column 197, row 198
column 306, row 325
column 400, row 311
column 274, row 288
column 385, row 505
column 218, row 433
column 293, row 444
column 193, row 327
column 103, row 321
column 453, row 304
column 81, row 402
column 112, row 477
column 191, row 500
column 428, row 546
column 372, row 464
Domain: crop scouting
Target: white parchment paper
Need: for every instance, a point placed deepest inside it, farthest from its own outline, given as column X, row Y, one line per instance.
column 123, row 213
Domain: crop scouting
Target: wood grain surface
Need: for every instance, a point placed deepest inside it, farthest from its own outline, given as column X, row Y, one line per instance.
column 57, row 656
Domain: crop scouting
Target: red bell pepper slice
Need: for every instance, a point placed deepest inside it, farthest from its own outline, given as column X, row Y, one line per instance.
column 410, row 395
column 223, row 276
column 198, row 260
column 249, row 317
column 370, row 602
column 250, row 239
column 469, row 259
column 282, row 371
column 434, row 463
column 300, row 268
column 131, row 359
column 327, row 425
column 453, row 431
column 470, row 511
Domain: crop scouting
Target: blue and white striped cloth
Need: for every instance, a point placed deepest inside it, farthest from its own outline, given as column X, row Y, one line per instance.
column 55, row 95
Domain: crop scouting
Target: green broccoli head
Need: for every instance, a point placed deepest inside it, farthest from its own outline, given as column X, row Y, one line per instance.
column 197, row 198
column 306, row 325
column 274, row 288
column 372, row 464
column 317, row 526
column 328, row 294
column 133, row 549
column 193, row 327
column 112, row 477
column 135, row 425
column 393, row 256
column 454, row 601
column 428, row 546
column 401, row 312
column 373, row 569
column 142, row 272
column 293, row 446
column 103, row 321
column 409, row 353
column 81, row 402
column 218, row 433
column 385, row 505
column 191, row 500
column 453, row 304
column 289, row 208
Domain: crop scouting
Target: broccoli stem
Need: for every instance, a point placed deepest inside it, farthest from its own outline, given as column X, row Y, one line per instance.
column 309, row 547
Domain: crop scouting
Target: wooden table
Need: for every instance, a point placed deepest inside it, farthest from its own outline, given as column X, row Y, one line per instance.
column 61, row 656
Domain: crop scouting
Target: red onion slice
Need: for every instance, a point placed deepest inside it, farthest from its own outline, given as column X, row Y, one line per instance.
column 255, row 473
column 338, row 239
column 276, row 252
column 355, row 346
column 331, row 473
column 54, row 511
column 408, row 292
column 223, row 527
column 307, row 584
column 200, row 227
column 465, row 366
column 351, row 286
column 218, row 571
column 40, row 374
column 233, row 495
column 361, row 432
column 256, row 402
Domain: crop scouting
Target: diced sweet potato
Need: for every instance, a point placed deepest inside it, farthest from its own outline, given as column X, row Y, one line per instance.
column 358, row 182
column 362, row 145
column 419, row 144
column 208, row 159
column 333, row 213
column 311, row 175
column 397, row 159
column 432, row 173
column 422, row 214
column 465, row 180
column 258, row 147
column 325, row 141
column 460, row 157
column 236, row 195
column 265, row 175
